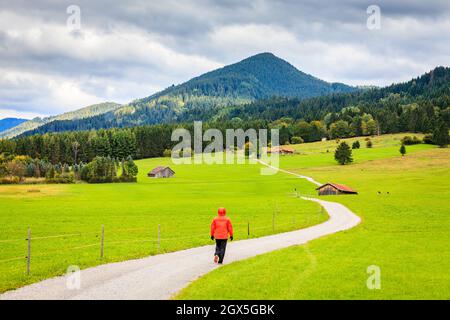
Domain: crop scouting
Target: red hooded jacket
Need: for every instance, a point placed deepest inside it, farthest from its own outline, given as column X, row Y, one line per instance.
column 221, row 226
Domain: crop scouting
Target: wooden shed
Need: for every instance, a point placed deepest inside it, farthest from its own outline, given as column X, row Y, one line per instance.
column 280, row 150
column 334, row 189
column 161, row 172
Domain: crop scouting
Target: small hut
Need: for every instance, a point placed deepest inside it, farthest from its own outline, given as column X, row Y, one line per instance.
column 161, row 172
column 334, row 189
column 280, row 150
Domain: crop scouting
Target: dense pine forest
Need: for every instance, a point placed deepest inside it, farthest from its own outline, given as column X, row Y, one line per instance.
column 420, row 105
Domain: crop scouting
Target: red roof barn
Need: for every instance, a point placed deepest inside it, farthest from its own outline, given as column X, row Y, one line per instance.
column 280, row 150
column 334, row 189
column 161, row 172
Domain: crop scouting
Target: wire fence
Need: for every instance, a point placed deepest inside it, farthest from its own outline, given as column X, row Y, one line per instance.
column 33, row 249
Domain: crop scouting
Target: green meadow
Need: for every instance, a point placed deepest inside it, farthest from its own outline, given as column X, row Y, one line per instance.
column 404, row 203
column 404, row 232
column 66, row 220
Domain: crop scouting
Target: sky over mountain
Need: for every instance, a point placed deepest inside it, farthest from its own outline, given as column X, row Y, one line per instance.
column 131, row 49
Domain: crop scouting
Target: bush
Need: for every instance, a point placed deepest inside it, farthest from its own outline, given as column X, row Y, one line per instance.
column 51, row 173
column 16, row 168
column 408, row 141
column 249, row 149
column 104, row 170
column 131, row 169
column 369, row 144
column 297, row 140
column 100, row 170
column 356, row 145
column 10, row 180
column 64, row 178
column 167, row 153
column 124, row 179
column 428, row 139
column 34, row 180
column 440, row 135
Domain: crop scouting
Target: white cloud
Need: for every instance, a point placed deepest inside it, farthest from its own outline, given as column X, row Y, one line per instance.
column 135, row 48
column 351, row 63
column 119, row 65
column 9, row 113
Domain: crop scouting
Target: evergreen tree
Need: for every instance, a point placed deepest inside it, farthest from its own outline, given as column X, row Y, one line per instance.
column 440, row 134
column 131, row 168
column 403, row 150
column 343, row 154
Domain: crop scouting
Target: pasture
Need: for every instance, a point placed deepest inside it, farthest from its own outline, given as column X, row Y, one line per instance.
column 66, row 220
column 404, row 203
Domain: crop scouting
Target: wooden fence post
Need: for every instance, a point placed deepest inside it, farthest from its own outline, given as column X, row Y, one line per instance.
column 102, row 242
column 29, row 251
column 248, row 229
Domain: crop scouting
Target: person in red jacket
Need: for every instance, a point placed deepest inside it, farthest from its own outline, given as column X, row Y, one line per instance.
column 221, row 227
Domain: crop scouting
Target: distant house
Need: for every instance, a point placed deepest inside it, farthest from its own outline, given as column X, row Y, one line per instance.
column 161, row 172
column 280, row 150
column 334, row 189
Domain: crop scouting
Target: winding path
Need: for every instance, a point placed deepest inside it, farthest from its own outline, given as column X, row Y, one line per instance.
column 162, row 276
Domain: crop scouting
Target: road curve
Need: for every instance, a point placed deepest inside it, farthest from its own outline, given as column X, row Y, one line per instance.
column 161, row 276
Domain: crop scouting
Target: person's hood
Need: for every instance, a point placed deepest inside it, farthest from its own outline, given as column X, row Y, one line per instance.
column 222, row 211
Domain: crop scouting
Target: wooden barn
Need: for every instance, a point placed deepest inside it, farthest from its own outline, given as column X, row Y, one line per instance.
column 334, row 189
column 161, row 172
column 280, row 150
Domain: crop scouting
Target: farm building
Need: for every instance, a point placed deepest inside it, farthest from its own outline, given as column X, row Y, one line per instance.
column 161, row 172
column 334, row 189
column 280, row 150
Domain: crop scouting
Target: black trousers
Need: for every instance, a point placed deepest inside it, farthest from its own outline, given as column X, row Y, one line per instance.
column 221, row 245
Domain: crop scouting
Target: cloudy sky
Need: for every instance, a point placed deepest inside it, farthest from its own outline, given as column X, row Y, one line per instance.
column 131, row 49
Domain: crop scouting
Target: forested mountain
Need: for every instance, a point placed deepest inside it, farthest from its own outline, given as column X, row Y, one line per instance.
column 408, row 106
column 419, row 105
column 35, row 123
column 9, row 123
column 422, row 95
column 258, row 77
column 261, row 76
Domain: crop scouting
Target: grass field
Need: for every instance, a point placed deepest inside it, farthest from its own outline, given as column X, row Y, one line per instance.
column 183, row 206
column 66, row 219
column 405, row 233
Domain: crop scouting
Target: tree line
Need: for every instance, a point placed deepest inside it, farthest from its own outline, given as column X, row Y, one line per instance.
column 420, row 105
column 24, row 169
column 154, row 140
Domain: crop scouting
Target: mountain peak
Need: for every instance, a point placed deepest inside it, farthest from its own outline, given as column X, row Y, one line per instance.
column 257, row 77
column 8, row 123
column 263, row 55
column 260, row 76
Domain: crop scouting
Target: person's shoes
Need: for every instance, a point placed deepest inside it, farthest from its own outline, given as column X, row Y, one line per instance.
column 216, row 258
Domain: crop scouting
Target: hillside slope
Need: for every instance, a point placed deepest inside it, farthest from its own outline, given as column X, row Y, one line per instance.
column 421, row 94
column 258, row 77
column 261, row 76
column 8, row 123
column 35, row 123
